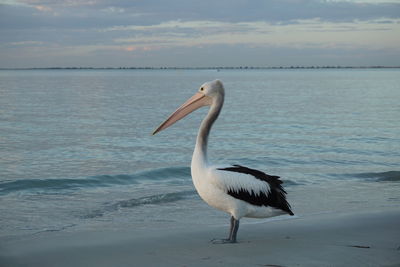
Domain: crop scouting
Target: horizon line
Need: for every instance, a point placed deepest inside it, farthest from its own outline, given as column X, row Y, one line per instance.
column 204, row 68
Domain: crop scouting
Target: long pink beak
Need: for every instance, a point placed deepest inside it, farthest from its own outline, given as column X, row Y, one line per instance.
column 198, row 100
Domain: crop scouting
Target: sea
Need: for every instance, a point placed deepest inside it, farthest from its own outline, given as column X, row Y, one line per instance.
column 77, row 151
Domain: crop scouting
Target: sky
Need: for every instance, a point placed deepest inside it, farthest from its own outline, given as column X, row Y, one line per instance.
column 199, row 33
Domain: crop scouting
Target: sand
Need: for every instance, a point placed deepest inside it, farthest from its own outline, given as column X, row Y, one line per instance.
column 362, row 239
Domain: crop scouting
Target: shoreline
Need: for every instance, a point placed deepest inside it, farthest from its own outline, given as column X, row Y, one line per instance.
column 362, row 239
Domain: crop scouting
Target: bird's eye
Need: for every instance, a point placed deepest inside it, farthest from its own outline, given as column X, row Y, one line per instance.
column 201, row 89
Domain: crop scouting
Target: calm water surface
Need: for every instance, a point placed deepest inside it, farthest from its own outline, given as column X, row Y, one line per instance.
column 76, row 150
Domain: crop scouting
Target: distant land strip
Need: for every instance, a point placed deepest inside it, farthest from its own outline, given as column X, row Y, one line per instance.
column 204, row 68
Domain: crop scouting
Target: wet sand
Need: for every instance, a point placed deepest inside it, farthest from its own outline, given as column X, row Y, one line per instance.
column 363, row 239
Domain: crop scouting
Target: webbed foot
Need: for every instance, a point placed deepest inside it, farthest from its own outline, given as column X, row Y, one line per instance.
column 223, row 241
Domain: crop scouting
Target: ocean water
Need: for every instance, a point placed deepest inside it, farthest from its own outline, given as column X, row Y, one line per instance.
column 76, row 150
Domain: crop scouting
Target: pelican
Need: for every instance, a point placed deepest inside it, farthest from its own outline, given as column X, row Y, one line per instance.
column 236, row 190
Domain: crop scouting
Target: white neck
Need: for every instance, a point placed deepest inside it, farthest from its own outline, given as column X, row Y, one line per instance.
column 200, row 150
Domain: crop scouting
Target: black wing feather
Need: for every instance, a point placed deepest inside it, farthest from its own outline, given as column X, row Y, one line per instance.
column 275, row 198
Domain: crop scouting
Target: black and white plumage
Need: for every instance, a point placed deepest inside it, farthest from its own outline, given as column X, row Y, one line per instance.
column 237, row 190
column 275, row 197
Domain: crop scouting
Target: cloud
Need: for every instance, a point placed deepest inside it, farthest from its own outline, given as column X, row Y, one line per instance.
column 303, row 33
column 106, row 15
column 27, row 43
column 156, row 11
column 110, row 29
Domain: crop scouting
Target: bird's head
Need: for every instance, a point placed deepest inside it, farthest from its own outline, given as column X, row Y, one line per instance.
column 208, row 93
column 212, row 89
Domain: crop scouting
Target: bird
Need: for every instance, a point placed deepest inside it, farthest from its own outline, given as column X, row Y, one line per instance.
column 237, row 190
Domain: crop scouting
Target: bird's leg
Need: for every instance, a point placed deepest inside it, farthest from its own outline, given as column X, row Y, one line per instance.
column 234, row 229
column 232, row 233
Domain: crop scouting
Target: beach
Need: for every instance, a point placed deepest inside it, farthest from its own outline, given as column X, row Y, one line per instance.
column 357, row 239
column 84, row 183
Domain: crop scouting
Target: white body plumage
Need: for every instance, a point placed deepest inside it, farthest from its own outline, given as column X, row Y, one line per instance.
column 213, row 185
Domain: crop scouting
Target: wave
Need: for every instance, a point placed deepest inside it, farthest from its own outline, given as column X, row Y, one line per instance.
column 389, row 176
column 171, row 174
column 288, row 183
column 154, row 199
column 147, row 200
